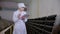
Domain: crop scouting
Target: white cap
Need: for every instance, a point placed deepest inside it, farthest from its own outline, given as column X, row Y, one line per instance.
column 20, row 5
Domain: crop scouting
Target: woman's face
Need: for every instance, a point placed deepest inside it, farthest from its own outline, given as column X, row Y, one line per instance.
column 21, row 9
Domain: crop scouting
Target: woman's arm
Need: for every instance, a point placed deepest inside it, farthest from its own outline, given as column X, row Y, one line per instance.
column 15, row 17
column 26, row 17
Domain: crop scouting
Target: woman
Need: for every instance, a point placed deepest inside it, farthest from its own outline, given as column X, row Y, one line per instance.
column 19, row 19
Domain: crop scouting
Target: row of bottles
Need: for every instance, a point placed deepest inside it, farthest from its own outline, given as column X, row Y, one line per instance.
column 41, row 26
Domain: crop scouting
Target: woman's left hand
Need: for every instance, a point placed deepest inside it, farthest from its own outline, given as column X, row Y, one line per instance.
column 23, row 17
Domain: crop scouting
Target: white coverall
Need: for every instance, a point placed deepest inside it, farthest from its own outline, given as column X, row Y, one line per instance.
column 19, row 27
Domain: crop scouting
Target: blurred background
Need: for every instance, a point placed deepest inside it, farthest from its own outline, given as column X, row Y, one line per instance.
column 7, row 7
column 35, row 8
column 44, row 10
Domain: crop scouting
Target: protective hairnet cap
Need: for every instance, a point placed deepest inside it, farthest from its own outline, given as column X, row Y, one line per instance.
column 20, row 5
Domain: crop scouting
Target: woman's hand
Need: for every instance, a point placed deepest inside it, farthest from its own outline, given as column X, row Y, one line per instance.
column 23, row 17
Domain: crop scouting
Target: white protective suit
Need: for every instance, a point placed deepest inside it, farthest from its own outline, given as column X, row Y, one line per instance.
column 19, row 27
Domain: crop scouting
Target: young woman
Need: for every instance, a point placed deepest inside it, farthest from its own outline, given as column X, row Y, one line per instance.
column 19, row 20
